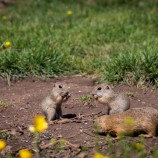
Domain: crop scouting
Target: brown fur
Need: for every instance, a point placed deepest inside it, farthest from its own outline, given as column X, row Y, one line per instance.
column 51, row 105
column 133, row 120
column 116, row 102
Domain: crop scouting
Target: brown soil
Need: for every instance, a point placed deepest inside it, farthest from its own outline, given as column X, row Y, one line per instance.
column 4, row 3
column 25, row 95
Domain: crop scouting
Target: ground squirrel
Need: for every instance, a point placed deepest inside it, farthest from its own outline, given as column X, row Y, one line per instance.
column 133, row 121
column 117, row 102
column 51, row 105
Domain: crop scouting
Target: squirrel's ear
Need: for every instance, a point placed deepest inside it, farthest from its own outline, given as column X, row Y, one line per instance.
column 107, row 87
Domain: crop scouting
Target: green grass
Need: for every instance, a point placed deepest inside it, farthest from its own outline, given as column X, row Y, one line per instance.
column 85, row 98
column 133, row 65
column 3, row 105
column 114, row 39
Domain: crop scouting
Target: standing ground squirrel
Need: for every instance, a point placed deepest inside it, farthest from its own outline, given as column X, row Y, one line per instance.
column 117, row 102
column 51, row 105
column 132, row 121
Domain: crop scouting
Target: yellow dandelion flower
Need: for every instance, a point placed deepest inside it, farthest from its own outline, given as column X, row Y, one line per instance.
column 69, row 12
column 32, row 129
column 4, row 18
column 25, row 153
column 98, row 155
column 40, row 123
column 129, row 121
column 7, row 44
column 2, row 144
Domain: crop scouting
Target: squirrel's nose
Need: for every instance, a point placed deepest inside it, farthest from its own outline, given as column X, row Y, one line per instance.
column 67, row 94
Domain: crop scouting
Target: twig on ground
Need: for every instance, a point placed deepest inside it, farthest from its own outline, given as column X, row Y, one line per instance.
column 62, row 121
column 70, row 137
column 76, row 146
column 12, row 131
column 75, row 119
column 92, row 114
column 73, row 145
column 88, row 134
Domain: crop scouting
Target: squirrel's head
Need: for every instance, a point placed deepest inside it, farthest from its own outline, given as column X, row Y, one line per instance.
column 60, row 92
column 102, row 92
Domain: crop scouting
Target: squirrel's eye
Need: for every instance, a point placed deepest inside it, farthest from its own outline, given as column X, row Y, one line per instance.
column 60, row 86
column 99, row 88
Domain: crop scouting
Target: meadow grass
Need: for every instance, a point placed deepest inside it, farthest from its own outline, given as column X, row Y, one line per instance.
column 3, row 105
column 114, row 39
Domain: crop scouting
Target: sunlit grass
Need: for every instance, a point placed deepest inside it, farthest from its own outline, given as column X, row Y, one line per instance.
column 107, row 38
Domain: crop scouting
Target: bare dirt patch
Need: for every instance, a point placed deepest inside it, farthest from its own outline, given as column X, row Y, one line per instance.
column 25, row 95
